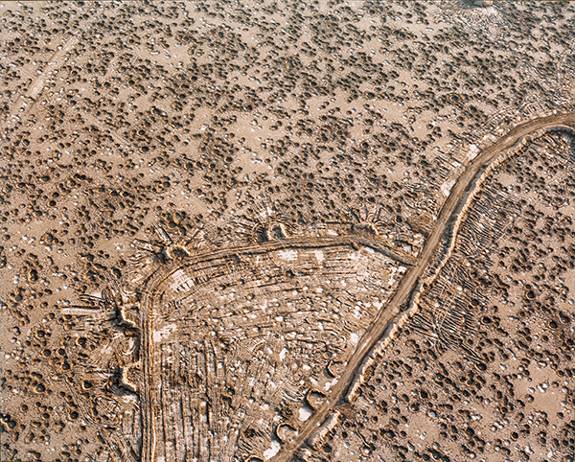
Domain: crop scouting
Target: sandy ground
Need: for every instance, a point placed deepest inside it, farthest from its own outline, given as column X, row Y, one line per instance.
column 287, row 231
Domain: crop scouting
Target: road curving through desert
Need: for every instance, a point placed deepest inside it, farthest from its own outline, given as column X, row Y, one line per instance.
column 452, row 211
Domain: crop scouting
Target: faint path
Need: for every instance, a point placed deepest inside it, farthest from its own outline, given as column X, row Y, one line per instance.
column 26, row 102
column 444, row 232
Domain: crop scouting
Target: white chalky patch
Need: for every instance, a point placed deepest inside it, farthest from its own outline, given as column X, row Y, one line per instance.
column 328, row 385
column 289, row 255
column 305, row 413
column 446, row 187
column 161, row 334
column 179, row 279
column 273, row 450
column 473, row 151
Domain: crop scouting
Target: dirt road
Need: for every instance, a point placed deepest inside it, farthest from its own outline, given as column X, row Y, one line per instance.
column 451, row 211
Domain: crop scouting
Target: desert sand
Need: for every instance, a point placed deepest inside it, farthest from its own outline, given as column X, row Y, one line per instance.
column 287, row 231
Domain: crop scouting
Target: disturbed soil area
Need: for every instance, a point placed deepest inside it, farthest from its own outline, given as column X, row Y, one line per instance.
column 287, row 230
